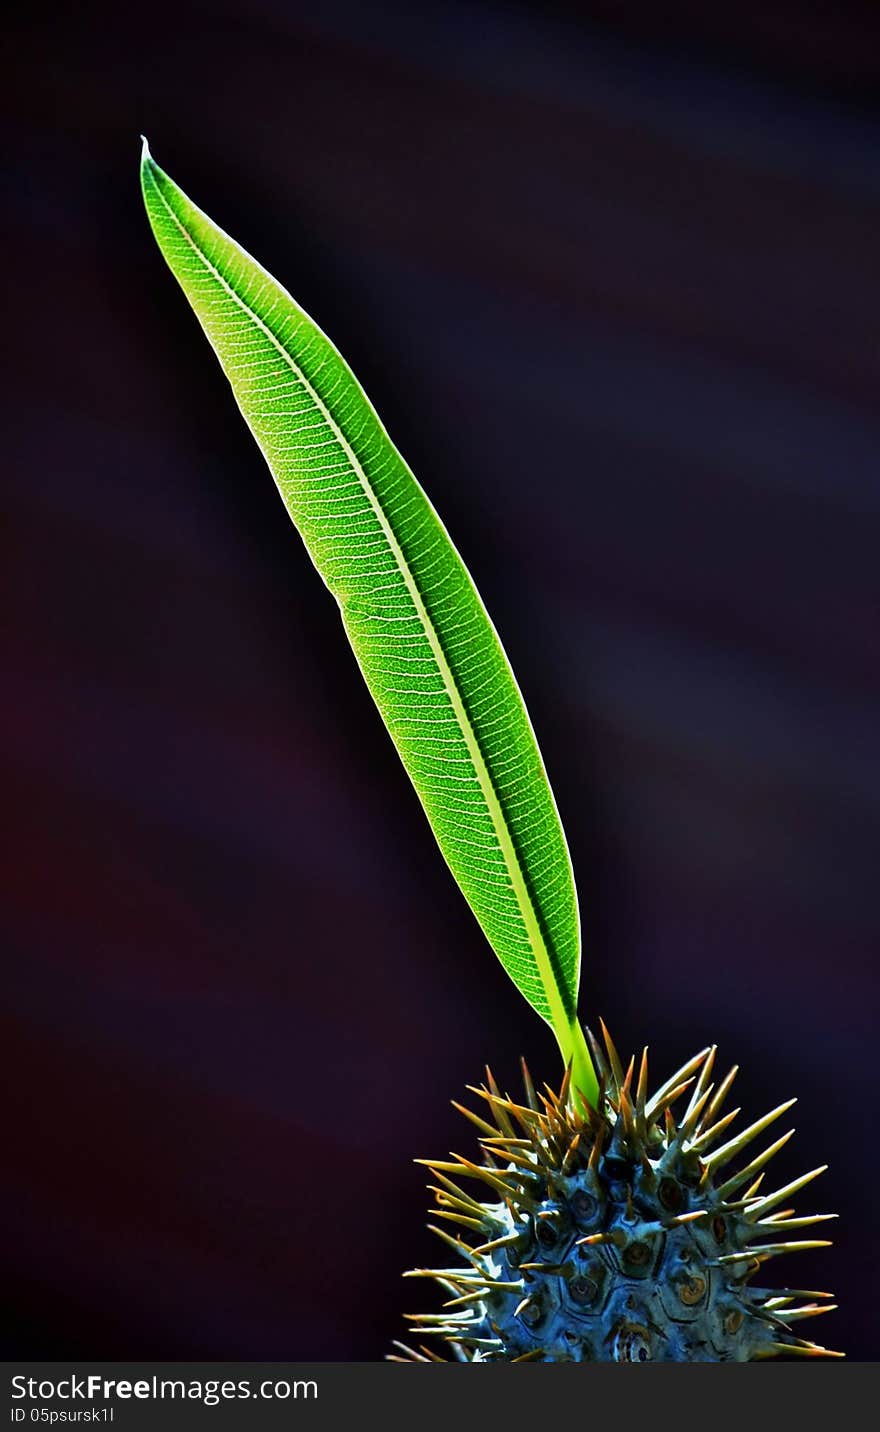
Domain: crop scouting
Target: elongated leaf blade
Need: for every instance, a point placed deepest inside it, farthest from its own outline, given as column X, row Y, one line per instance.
column 424, row 642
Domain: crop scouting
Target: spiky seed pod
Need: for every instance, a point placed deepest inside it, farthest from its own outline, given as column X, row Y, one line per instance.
column 616, row 1234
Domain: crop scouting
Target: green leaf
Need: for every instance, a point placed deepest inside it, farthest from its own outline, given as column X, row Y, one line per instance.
column 424, row 642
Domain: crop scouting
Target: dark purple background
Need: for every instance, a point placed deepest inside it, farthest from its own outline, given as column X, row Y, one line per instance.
column 613, row 284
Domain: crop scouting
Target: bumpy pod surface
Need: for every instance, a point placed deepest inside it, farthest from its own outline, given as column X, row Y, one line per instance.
column 615, row 1234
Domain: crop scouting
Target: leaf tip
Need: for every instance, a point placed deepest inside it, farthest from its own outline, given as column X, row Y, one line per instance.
column 150, row 173
column 148, row 163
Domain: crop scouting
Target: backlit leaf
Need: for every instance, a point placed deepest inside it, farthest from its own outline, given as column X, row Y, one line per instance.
column 427, row 649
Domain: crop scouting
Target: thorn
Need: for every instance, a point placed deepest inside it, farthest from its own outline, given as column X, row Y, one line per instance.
column 452, row 1188
column 528, row 1165
column 445, row 1200
column 480, row 1226
column 496, row 1100
column 443, row 1330
column 685, row 1218
column 773, row 1250
column 531, row 1097
column 596, row 1150
column 490, row 1130
column 613, row 1056
column 492, row 1179
column 465, row 1300
column 701, row 1090
column 770, row 1200
column 810, row 1310
column 594, row 1240
column 781, row 1224
column 571, row 1153
column 790, row 1295
column 625, row 1110
column 454, row 1275
column 527, row 1120
column 734, row 1146
column 410, row 1354
column 443, row 1320
column 742, row 1203
column 746, row 1256
column 515, row 1213
column 663, row 1225
column 798, row 1350
column 506, row 1241
column 641, row 1099
column 720, row 1095
column 654, row 1109
column 711, row 1133
column 501, row 1285
column 692, row 1115
column 565, row 1087
column 602, row 1069
column 664, row 1094
column 458, row 1245
column 738, row 1179
column 467, row 1341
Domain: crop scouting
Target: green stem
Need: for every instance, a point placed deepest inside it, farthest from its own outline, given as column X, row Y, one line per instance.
column 575, row 1052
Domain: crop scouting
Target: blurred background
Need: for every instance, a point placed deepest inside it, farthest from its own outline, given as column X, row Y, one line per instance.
column 610, row 275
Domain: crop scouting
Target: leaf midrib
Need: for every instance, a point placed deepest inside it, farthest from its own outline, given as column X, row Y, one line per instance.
column 560, row 1016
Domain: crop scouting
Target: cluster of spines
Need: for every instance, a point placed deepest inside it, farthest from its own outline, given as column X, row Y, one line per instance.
column 530, row 1152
